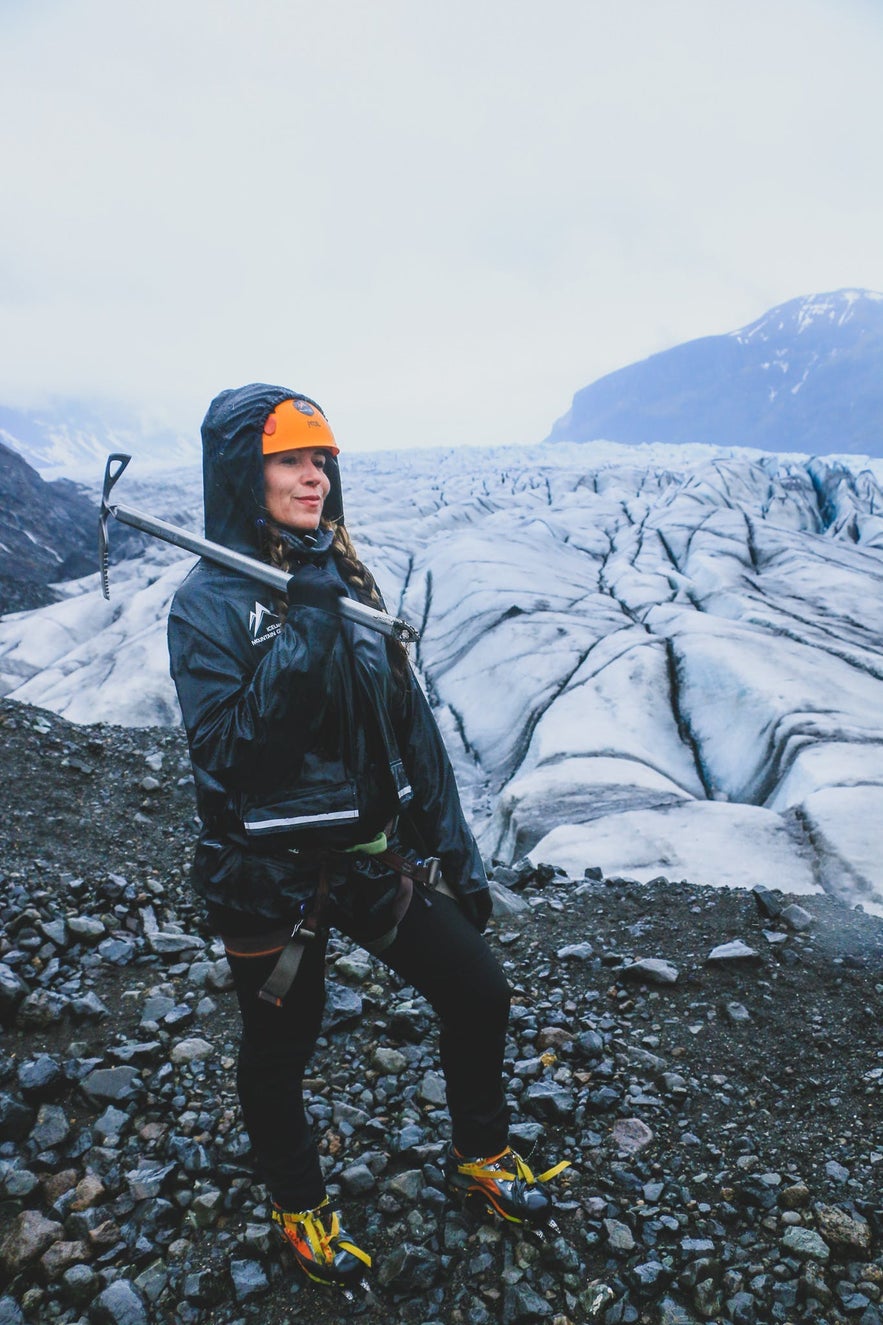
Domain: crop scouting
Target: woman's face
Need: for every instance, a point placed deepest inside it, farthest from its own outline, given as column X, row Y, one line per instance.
column 295, row 488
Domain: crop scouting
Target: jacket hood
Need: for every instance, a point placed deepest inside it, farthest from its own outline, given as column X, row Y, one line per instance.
column 233, row 465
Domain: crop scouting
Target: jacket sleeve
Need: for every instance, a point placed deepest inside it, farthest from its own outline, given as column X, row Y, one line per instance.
column 237, row 720
column 435, row 809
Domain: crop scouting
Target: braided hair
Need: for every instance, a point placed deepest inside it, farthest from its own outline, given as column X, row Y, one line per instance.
column 354, row 572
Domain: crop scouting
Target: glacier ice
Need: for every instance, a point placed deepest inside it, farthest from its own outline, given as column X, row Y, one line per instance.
column 652, row 659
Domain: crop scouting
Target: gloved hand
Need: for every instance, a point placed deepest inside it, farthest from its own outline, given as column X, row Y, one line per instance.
column 477, row 908
column 311, row 586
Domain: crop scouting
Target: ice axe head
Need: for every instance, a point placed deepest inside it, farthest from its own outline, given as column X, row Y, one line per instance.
column 115, row 465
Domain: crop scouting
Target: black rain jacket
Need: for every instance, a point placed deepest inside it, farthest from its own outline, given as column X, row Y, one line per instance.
column 300, row 736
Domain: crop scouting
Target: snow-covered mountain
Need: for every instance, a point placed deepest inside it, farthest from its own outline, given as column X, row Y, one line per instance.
column 806, row 377
column 654, row 660
column 72, row 439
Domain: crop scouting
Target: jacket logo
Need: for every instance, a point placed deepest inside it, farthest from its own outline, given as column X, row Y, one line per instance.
column 263, row 623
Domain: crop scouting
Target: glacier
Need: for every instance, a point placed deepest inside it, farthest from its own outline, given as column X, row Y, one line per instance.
column 652, row 659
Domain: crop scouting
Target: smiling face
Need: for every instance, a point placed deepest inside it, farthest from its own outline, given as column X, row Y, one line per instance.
column 295, row 487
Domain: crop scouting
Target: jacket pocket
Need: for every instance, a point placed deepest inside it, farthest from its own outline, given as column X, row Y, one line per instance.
column 228, row 875
column 320, row 814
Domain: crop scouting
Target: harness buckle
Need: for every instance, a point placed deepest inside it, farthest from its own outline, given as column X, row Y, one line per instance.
column 432, row 864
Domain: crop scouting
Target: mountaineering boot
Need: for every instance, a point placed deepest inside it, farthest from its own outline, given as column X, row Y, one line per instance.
column 504, row 1182
column 321, row 1247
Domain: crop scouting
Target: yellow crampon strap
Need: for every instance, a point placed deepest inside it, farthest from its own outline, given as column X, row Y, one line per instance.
column 356, row 1251
column 319, row 1237
column 481, row 1169
column 554, row 1171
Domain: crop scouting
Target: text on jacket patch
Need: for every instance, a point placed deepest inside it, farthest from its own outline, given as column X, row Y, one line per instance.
column 263, row 623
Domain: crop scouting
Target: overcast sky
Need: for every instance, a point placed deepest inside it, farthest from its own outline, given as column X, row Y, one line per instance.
column 439, row 219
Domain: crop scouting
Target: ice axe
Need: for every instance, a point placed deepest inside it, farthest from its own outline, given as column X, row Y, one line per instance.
column 223, row 556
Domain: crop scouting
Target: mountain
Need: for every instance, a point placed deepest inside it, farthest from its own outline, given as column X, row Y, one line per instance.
column 806, row 377
column 665, row 661
column 48, row 534
column 74, row 438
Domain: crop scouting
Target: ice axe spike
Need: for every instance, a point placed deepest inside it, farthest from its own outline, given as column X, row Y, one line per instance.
column 276, row 579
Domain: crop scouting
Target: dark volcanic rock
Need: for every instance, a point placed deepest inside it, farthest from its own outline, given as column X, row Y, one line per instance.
column 724, row 1164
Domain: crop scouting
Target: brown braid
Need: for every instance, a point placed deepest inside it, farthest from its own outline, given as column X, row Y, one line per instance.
column 354, row 573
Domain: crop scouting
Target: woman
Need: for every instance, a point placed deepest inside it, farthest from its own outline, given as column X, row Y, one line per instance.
column 321, row 781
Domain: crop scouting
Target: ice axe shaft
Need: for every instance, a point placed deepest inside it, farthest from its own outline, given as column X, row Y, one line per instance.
column 276, row 579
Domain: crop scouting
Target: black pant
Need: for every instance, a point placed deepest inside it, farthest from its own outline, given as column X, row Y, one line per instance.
column 445, row 959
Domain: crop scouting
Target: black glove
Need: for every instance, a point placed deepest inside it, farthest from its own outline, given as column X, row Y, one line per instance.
column 477, row 908
column 313, row 587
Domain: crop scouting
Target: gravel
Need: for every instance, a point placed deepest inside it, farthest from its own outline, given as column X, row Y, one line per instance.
column 715, row 1082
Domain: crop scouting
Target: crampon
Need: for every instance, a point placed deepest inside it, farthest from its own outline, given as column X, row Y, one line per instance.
column 504, row 1183
column 322, row 1249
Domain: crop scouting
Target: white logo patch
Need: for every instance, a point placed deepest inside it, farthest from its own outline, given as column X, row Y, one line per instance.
column 263, row 623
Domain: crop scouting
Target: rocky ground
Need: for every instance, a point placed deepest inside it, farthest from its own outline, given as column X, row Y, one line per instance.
column 722, row 1114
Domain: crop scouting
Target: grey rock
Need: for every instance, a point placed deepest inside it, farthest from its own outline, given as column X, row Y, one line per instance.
column 119, row 1304
column 836, row 1172
column 343, row 1008
column 86, row 929
column 407, row 1185
column 117, row 1084
column 10, row 1312
column 357, row 1180
column 589, row 1045
column 156, row 1006
column 432, row 1089
column 166, row 945
column 741, row 1308
column 191, row 1051
column 619, row 1236
column 575, row 951
column 528, row 1069
column 79, row 1285
column 12, row 991
column 737, row 1013
column 735, row 951
column 52, row 1127
column 806, row 1244
column 147, row 1182
column 153, row 1281
column 16, row 1118
column 353, row 968
column 111, row 1122
column 41, row 1009
column 653, row 970
column 89, row 1007
column 20, row 1182
column 797, row 917
column 672, row 1313
column 206, row 1208
column 549, row 1101
column 55, row 931
column 249, row 1279
column 388, row 1061
column 410, row 1269
column 506, row 902
column 117, row 951
column 522, row 1304
column 41, row 1078
column 220, row 977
